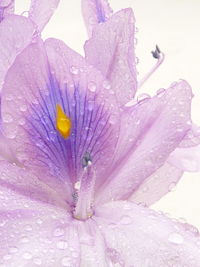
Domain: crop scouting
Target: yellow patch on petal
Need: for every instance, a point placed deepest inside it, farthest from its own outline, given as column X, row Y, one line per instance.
column 63, row 123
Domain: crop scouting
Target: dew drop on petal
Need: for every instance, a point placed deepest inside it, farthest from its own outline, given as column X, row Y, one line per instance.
column 23, row 108
column 92, row 86
column 27, row 256
column 37, row 261
column 13, row 250
column 125, row 220
column 172, row 187
column 58, row 232
column 66, row 262
column 175, row 238
column 7, row 257
column 74, row 70
column 106, row 85
column 143, row 97
column 62, row 244
column 7, row 118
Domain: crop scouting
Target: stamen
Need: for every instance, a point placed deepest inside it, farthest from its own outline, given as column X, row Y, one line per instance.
column 157, row 54
column 63, row 123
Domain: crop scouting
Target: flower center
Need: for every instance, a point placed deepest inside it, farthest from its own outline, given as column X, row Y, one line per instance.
column 84, row 187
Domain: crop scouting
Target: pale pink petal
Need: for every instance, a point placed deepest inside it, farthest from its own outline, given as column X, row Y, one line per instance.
column 95, row 12
column 6, row 8
column 6, row 151
column 157, row 185
column 16, row 32
column 158, row 126
column 20, row 181
column 139, row 237
column 41, row 11
column 37, row 228
column 192, row 138
column 186, row 159
column 111, row 50
column 33, row 234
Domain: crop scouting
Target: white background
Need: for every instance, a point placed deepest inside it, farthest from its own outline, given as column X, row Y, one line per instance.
column 175, row 26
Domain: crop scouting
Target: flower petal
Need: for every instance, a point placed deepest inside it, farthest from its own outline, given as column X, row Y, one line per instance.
column 153, row 139
column 157, row 185
column 16, row 32
column 111, row 50
column 37, row 84
column 20, row 181
column 33, row 234
column 137, row 236
column 94, row 12
column 186, row 159
column 41, row 11
column 6, row 8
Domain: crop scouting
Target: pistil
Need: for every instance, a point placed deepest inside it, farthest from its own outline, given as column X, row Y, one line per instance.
column 84, row 191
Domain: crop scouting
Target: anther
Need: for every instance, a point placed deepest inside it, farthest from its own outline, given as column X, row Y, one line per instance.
column 156, row 53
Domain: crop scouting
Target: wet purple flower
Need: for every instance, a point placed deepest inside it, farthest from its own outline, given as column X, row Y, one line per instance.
column 80, row 160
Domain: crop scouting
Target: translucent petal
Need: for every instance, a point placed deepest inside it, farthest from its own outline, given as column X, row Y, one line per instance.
column 94, row 12
column 158, row 125
column 111, row 50
column 41, row 11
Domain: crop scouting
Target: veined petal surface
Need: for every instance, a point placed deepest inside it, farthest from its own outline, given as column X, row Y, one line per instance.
column 111, row 50
column 95, row 12
column 35, row 234
column 154, row 130
column 41, row 11
column 139, row 237
column 157, row 185
column 6, row 8
column 53, row 75
column 16, row 32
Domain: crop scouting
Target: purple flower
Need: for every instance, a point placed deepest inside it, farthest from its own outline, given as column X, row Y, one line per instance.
column 79, row 160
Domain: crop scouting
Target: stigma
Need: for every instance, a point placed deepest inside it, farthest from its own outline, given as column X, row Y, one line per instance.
column 63, row 123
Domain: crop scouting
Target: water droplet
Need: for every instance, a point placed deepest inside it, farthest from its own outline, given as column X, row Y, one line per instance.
column 125, row 220
column 58, row 232
column 74, row 70
column 37, row 261
column 28, row 227
column 143, row 97
column 23, row 108
column 7, row 118
column 9, row 97
column 172, row 187
column 21, row 121
column 92, row 86
column 62, row 244
column 7, row 257
column 106, row 85
column 113, row 119
column 175, row 238
column 39, row 221
column 12, row 134
column 24, row 239
column 90, row 105
column 27, row 256
column 13, row 250
column 66, row 262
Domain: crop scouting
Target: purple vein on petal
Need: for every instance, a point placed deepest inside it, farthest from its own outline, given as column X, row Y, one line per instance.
column 100, row 12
